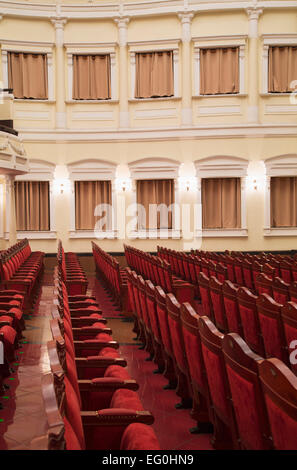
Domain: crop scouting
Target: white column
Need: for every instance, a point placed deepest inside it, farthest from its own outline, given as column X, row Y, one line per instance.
column 70, row 74
column 123, row 71
column 132, row 71
column 186, row 19
column 59, row 24
column 10, row 229
column 197, row 71
column 52, row 206
column 4, row 69
column 50, row 75
column 241, row 70
column 267, row 208
column 265, row 69
column 113, row 75
column 253, row 108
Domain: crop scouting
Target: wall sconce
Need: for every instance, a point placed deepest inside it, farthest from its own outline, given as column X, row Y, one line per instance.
column 61, row 186
column 188, row 184
column 123, row 184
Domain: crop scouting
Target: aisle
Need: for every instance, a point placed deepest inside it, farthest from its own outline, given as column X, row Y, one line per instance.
column 23, row 416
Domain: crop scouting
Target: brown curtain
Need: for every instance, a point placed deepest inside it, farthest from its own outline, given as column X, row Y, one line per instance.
column 91, row 77
column 282, row 62
column 155, row 192
column 27, row 75
column 221, row 203
column 219, row 71
column 154, row 74
column 32, row 205
column 283, row 201
column 88, row 194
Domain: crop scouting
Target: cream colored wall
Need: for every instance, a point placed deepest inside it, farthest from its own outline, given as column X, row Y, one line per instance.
column 83, row 117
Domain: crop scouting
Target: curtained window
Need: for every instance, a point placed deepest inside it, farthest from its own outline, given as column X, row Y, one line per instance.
column 219, row 71
column 154, row 74
column 155, row 192
column 27, row 75
column 91, row 77
column 88, row 195
column 221, row 203
column 283, row 201
column 282, row 68
column 32, row 205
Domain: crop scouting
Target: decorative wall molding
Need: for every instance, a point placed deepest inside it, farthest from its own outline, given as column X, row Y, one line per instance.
column 154, row 168
column 218, row 110
column 280, row 109
column 161, row 134
column 32, row 115
column 92, row 115
column 155, row 113
column 132, row 9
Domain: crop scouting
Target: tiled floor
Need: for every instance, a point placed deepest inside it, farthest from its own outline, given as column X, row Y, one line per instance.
column 23, row 417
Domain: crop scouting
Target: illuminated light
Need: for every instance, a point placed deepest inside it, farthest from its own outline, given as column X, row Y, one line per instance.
column 123, row 184
column 188, row 183
column 61, row 185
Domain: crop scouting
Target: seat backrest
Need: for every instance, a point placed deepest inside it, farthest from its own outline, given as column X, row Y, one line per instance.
column 263, row 284
column 279, row 386
column 203, row 282
column 285, row 269
column 247, row 274
column 280, row 290
column 152, row 309
column 293, row 291
column 231, row 307
column 238, row 271
column 269, row 313
column 249, row 407
column 56, row 430
column 249, row 320
column 289, row 320
column 218, row 307
column 192, row 342
column 212, row 352
column 174, row 323
column 163, row 319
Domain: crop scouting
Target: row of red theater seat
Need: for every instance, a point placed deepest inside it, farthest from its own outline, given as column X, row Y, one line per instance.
column 159, row 272
column 112, row 416
column 21, row 271
column 240, row 268
column 268, row 327
column 71, row 272
column 249, row 401
column 109, row 273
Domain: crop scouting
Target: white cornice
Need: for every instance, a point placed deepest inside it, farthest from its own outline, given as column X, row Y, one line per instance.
column 132, row 9
column 165, row 134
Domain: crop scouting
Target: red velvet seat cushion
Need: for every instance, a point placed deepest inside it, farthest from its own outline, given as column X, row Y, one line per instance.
column 72, row 442
column 117, row 372
column 215, row 380
column 104, row 337
column 283, row 427
column 94, row 315
column 16, row 312
column 126, row 399
column 73, row 412
column 108, row 352
column 9, row 334
column 244, row 402
column 139, row 436
column 6, row 318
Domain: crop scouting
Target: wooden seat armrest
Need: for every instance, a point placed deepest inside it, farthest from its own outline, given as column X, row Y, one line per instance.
column 90, row 331
column 114, row 416
column 94, row 344
column 98, row 362
column 106, row 384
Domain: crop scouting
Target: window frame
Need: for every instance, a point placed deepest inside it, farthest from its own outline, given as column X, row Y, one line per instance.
column 155, row 169
column 39, row 170
column 222, row 167
column 154, row 46
column 92, row 170
column 27, row 47
column 216, row 42
column 282, row 165
column 270, row 40
column 91, row 49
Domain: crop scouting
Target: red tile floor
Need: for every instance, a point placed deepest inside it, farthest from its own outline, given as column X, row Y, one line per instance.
column 23, row 417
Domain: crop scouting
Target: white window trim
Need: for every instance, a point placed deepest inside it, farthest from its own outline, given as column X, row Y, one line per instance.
column 222, row 167
column 284, row 165
column 91, row 49
column 39, row 170
column 154, row 46
column 92, row 170
column 273, row 40
column 33, row 48
column 217, row 42
column 154, row 169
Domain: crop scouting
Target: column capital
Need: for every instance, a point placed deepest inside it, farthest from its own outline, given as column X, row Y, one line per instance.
column 59, row 22
column 253, row 14
column 186, row 19
column 122, row 23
